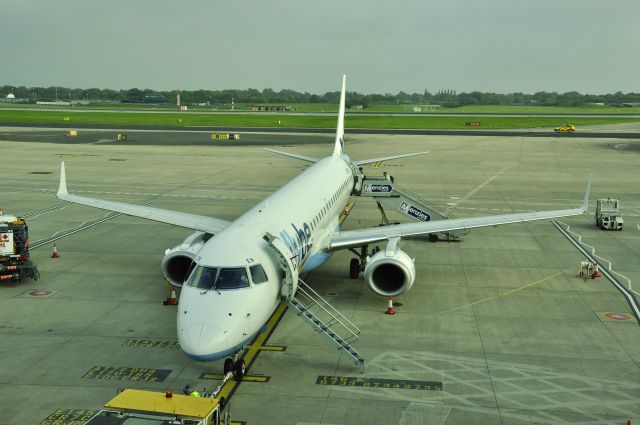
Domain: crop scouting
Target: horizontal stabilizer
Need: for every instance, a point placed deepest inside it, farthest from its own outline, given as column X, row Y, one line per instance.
column 387, row 158
column 293, row 155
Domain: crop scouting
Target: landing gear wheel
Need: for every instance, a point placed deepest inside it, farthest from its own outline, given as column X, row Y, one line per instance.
column 354, row 268
column 433, row 237
column 228, row 365
column 239, row 370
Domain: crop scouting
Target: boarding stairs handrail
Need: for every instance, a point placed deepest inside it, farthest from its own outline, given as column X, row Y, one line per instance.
column 417, row 198
column 336, row 316
column 305, row 299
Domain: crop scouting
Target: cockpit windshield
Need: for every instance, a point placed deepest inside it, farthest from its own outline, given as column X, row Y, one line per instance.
column 219, row 278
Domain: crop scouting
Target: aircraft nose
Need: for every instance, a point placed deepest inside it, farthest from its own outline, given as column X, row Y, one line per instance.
column 200, row 334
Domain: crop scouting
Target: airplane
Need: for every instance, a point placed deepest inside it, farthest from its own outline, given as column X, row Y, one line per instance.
column 234, row 274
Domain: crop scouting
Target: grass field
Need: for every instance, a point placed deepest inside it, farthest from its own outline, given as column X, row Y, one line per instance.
column 332, row 108
column 287, row 121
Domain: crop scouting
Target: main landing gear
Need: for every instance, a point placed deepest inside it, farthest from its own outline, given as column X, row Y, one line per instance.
column 235, row 365
column 357, row 265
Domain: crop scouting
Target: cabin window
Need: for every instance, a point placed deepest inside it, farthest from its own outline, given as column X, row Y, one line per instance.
column 257, row 274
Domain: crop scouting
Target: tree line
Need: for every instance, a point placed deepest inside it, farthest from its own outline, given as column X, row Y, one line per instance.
column 285, row 97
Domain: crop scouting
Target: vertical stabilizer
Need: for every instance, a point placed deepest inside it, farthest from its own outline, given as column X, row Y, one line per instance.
column 339, row 145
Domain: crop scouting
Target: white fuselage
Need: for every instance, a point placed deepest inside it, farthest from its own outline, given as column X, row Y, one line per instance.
column 213, row 324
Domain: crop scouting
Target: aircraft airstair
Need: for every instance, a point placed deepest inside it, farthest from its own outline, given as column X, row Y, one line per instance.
column 392, row 196
column 311, row 307
column 326, row 320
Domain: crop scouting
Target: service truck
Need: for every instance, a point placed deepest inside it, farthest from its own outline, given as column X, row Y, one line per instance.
column 608, row 214
column 135, row 407
column 15, row 264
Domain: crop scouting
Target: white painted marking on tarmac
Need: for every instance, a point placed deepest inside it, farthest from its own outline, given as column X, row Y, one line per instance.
column 537, row 394
column 47, row 212
column 489, row 180
column 77, row 227
column 101, row 141
column 593, row 253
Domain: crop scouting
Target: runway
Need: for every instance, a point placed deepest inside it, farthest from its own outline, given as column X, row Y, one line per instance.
column 496, row 330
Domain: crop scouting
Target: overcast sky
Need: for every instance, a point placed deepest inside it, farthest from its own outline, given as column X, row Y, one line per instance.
column 383, row 46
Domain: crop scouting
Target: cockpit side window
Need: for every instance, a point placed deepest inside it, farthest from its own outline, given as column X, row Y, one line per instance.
column 203, row 277
column 257, row 274
column 232, row 278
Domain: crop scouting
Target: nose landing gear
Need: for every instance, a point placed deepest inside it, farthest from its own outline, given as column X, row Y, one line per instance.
column 235, row 365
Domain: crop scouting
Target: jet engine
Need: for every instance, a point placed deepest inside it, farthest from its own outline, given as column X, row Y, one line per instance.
column 390, row 273
column 177, row 261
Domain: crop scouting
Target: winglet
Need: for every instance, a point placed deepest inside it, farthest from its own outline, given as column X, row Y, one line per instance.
column 62, row 189
column 339, row 143
column 585, row 202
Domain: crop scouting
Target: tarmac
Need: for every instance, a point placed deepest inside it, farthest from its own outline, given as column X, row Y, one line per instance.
column 497, row 329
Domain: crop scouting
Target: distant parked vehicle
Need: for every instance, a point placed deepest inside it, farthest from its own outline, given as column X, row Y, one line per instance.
column 566, row 128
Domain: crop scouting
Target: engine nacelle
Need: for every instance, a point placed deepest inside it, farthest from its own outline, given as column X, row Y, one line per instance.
column 390, row 273
column 176, row 262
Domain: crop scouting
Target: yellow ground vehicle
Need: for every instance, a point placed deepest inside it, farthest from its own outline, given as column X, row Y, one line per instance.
column 150, row 407
column 566, row 128
column 225, row 136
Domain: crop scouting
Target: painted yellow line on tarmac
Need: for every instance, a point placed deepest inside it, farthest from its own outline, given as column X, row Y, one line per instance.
column 537, row 282
column 252, row 351
column 345, row 213
column 249, row 378
column 269, row 347
column 377, row 164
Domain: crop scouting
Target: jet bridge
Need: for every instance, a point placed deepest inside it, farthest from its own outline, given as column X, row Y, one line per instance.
column 394, row 197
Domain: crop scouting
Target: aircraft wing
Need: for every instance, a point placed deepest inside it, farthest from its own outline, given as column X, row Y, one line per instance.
column 356, row 238
column 181, row 219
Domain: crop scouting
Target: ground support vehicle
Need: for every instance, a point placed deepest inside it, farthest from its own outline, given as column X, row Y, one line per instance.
column 14, row 250
column 225, row 136
column 608, row 215
column 133, row 406
column 566, row 128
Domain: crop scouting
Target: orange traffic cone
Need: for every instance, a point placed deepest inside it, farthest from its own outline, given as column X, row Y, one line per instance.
column 55, row 251
column 173, row 299
column 628, row 421
column 596, row 270
column 390, row 308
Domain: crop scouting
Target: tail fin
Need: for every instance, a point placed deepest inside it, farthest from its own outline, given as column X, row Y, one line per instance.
column 339, row 144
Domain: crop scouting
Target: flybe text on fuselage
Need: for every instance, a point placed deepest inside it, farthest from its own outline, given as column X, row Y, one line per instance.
column 299, row 244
